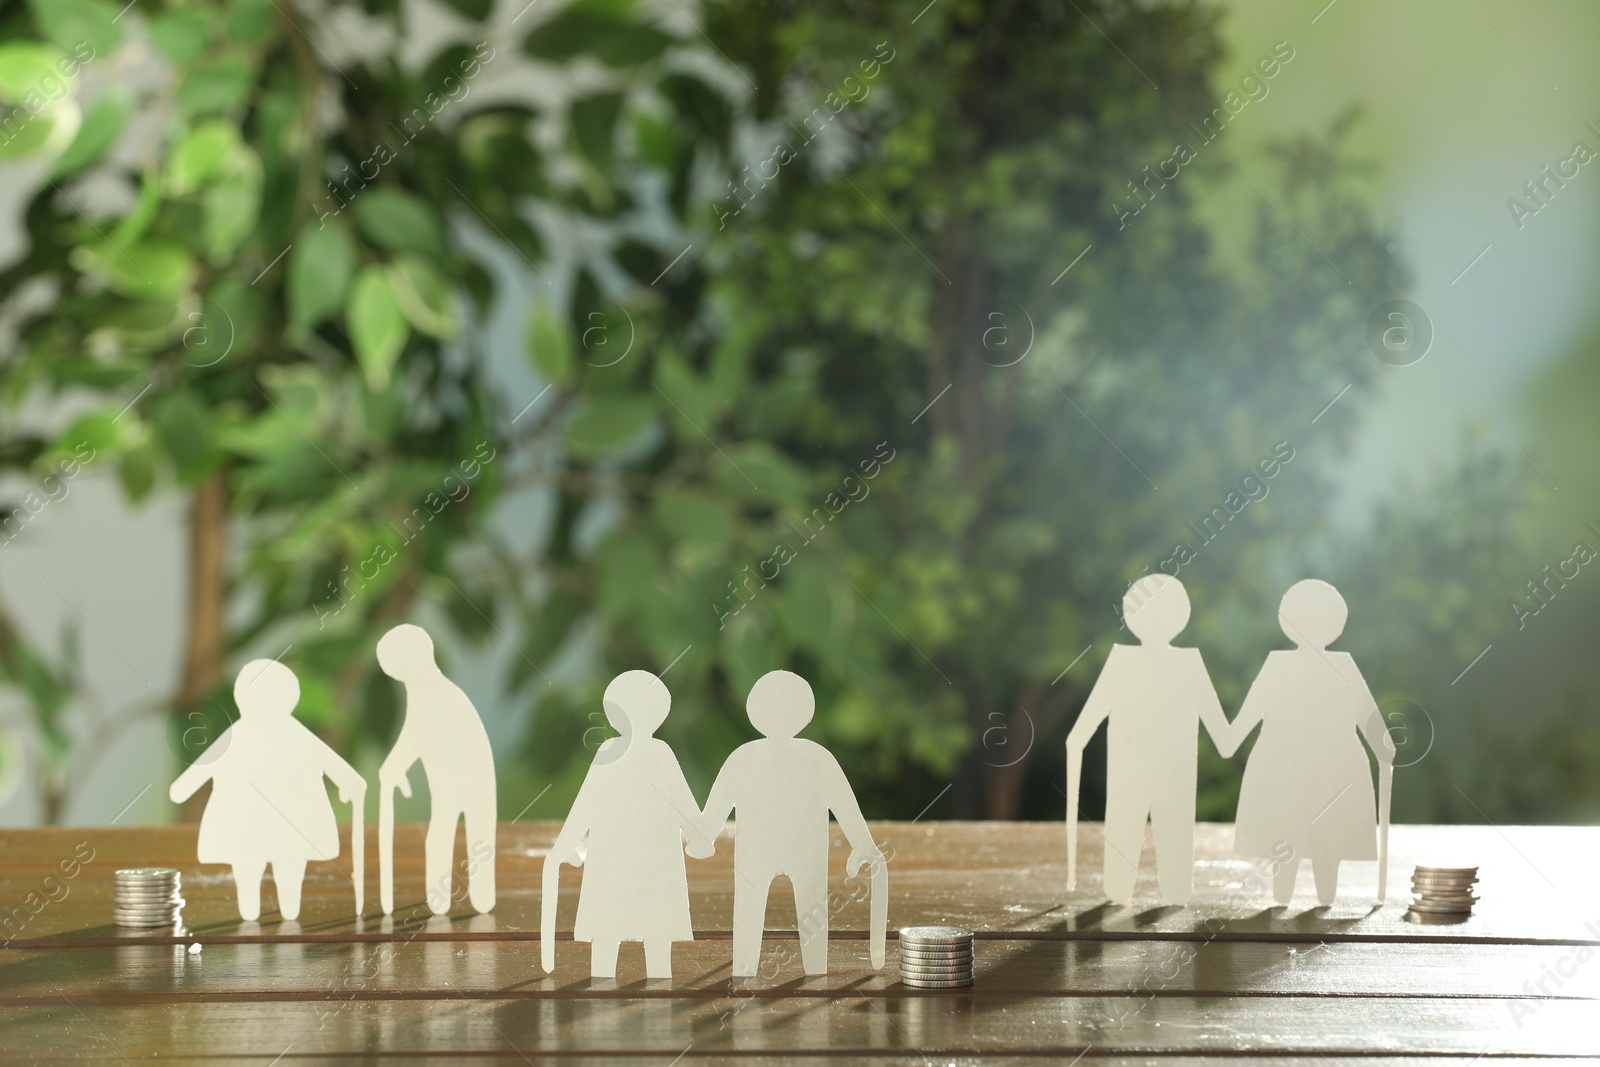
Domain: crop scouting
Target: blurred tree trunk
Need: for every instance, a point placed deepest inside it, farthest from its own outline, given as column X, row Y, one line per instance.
column 205, row 644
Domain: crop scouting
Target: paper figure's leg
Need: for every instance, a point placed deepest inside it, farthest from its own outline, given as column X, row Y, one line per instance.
column 749, row 920
column 289, row 876
column 480, row 856
column 658, row 958
column 1326, row 874
column 247, row 880
column 811, row 916
column 437, row 850
column 1174, row 836
column 603, row 958
column 1283, row 881
column 1124, row 837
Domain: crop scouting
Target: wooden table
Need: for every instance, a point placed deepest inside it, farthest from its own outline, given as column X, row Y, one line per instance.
column 1058, row 976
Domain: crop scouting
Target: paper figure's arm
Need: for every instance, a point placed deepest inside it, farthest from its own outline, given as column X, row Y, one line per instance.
column 1211, row 714
column 1370, row 722
column 201, row 770
column 347, row 778
column 1250, row 716
column 1096, row 710
column 721, row 802
column 697, row 842
column 847, row 813
column 394, row 772
column 565, row 848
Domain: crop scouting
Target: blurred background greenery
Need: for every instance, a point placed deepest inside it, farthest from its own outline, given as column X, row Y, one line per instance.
column 882, row 342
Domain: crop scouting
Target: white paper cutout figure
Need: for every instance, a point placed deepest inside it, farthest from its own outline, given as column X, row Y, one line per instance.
column 1155, row 696
column 443, row 731
column 783, row 787
column 1307, row 783
column 627, row 829
column 268, row 804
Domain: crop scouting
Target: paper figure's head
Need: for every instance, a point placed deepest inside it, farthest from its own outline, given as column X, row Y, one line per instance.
column 266, row 687
column 1156, row 609
column 1312, row 614
column 406, row 652
column 637, row 703
column 780, row 704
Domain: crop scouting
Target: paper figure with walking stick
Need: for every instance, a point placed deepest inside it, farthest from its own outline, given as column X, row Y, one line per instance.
column 268, row 805
column 442, row 731
column 1307, row 783
column 627, row 829
column 1155, row 696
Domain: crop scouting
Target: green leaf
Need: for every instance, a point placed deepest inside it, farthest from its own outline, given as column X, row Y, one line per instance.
column 604, row 425
column 251, row 21
column 183, row 427
column 28, row 67
column 549, row 344
column 22, row 134
column 594, row 124
column 137, row 471
column 695, row 516
column 377, row 326
column 137, row 220
column 628, row 572
column 232, row 207
column 756, row 469
column 151, row 270
column 200, row 155
column 320, row 267
column 217, row 86
column 105, row 119
column 96, row 431
column 601, row 28
column 76, row 24
column 399, row 221
column 180, row 36
column 424, row 295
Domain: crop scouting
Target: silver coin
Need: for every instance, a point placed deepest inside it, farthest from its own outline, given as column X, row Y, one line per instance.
column 1441, row 879
column 1425, row 918
column 1434, row 894
column 927, row 961
column 167, row 906
column 935, row 933
column 907, row 949
column 144, row 894
column 167, row 914
column 920, row 983
column 1445, row 872
column 935, row 975
column 147, row 872
column 1441, row 909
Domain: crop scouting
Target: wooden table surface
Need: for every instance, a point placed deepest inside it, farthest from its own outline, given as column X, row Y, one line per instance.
column 1059, row 975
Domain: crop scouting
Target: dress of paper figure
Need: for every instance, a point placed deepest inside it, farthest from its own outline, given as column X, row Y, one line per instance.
column 783, row 788
column 1308, row 786
column 627, row 829
column 268, row 804
column 443, row 731
column 1155, row 696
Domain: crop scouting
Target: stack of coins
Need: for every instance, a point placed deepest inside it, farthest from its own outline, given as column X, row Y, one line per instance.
column 935, row 957
column 148, row 897
column 1443, row 894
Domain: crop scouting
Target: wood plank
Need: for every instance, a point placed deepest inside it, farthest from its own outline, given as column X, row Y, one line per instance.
column 1065, row 969
column 935, row 1026
column 998, row 879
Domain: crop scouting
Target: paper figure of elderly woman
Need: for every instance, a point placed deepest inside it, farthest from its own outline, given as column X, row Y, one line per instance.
column 628, row 829
column 268, row 804
column 1308, row 784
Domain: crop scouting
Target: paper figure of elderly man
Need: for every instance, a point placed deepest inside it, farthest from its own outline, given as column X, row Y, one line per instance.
column 783, row 788
column 443, row 732
column 1155, row 696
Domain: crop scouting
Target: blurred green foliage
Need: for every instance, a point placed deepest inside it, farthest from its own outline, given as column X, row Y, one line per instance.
column 855, row 370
